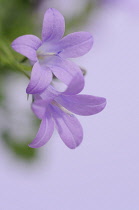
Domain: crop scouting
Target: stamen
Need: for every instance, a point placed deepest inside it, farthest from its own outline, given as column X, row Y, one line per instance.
column 61, row 107
column 41, row 55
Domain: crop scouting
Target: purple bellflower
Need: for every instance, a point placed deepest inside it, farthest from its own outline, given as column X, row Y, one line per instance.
column 57, row 108
column 50, row 56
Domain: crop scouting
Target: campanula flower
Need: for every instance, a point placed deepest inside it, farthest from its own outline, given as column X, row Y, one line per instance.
column 50, row 55
column 57, row 109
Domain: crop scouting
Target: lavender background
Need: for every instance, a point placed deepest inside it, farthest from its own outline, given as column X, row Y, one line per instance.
column 103, row 173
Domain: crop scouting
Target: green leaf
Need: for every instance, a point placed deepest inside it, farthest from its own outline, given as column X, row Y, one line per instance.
column 21, row 149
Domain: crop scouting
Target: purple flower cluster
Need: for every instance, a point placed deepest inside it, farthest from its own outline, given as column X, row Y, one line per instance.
column 50, row 56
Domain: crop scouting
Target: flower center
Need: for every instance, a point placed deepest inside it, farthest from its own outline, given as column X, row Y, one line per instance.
column 41, row 55
column 45, row 52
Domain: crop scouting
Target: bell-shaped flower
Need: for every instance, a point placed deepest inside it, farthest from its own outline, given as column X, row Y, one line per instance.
column 54, row 108
column 50, row 55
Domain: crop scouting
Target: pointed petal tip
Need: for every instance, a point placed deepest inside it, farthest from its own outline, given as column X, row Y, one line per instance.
column 29, row 90
column 53, row 9
column 100, row 107
column 74, row 146
column 104, row 101
column 37, row 143
column 50, row 10
column 35, row 90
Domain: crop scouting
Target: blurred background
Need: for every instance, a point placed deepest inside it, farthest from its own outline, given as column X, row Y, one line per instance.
column 102, row 173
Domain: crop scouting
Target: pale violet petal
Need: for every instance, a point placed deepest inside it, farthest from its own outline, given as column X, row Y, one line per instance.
column 53, row 25
column 68, row 127
column 45, row 132
column 75, row 44
column 39, row 107
column 41, row 77
column 69, row 73
column 27, row 46
column 82, row 104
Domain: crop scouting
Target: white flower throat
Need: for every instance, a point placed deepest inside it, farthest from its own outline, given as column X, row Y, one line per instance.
column 45, row 52
column 41, row 55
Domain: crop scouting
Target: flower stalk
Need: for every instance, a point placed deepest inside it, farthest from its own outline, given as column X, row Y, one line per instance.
column 9, row 60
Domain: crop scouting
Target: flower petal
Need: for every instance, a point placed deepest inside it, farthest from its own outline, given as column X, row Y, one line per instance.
column 68, row 127
column 53, row 25
column 39, row 107
column 70, row 74
column 41, row 77
column 75, row 44
column 82, row 104
column 49, row 94
column 45, row 132
column 27, row 46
